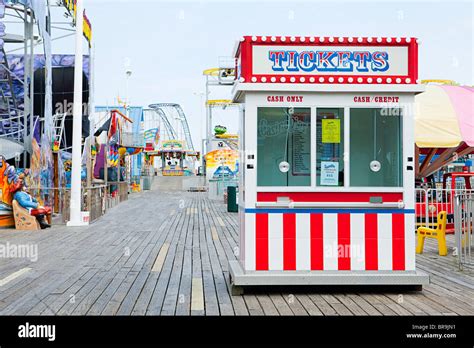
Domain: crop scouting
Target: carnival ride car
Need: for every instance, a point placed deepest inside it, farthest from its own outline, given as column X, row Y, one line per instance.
column 433, row 201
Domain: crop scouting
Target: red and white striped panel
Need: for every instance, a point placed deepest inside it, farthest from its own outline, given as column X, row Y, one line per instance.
column 329, row 241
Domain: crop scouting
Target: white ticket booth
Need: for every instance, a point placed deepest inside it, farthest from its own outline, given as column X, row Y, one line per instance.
column 327, row 161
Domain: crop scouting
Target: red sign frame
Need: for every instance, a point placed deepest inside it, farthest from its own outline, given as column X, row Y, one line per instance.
column 245, row 49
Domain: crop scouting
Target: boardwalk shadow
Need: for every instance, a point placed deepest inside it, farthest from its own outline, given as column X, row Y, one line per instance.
column 332, row 289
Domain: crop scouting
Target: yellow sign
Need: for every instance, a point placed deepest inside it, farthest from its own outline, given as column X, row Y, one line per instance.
column 172, row 145
column 331, row 131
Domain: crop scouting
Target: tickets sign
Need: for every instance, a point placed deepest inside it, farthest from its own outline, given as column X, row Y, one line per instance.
column 283, row 59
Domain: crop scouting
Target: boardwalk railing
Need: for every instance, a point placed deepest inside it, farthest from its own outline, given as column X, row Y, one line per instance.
column 121, row 196
column 464, row 223
column 96, row 199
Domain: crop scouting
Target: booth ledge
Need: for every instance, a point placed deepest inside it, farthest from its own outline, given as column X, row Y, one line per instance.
column 254, row 278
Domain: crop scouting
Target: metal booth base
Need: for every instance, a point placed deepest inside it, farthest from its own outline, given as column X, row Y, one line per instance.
column 240, row 279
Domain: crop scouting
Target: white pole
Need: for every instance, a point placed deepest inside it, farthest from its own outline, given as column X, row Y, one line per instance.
column 75, row 219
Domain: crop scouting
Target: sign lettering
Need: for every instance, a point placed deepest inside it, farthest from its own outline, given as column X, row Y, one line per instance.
column 329, row 61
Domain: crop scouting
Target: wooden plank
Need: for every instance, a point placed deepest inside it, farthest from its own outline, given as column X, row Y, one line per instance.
column 281, row 304
column 322, row 305
column 308, row 305
column 219, row 266
column 363, row 304
column 253, row 305
column 160, row 259
column 197, row 300
column 210, row 295
column 184, row 305
column 267, row 305
column 214, row 233
column 13, row 276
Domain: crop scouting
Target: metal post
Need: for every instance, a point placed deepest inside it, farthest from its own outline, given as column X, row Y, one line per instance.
column 27, row 109
column 75, row 218
column 91, row 124
column 208, row 121
column 32, row 81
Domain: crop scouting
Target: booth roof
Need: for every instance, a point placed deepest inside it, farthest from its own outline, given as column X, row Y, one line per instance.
column 444, row 117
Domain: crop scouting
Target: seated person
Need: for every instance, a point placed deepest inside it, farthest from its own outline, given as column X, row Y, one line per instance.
column 28, row 202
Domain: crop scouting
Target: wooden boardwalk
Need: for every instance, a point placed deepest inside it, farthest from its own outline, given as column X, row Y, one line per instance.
column 166, row 253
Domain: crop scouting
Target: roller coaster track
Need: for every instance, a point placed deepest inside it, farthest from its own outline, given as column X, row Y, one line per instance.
column 168, row 127
column 182, row 117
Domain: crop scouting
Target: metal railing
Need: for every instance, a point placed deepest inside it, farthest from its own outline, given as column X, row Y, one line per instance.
column 464, row 223
column 458, row 203
column 430, row 202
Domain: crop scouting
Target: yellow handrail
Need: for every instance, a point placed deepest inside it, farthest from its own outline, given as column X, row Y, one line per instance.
column 227, row 136
column 443, row 82
column 221, row 102
column 211, row 72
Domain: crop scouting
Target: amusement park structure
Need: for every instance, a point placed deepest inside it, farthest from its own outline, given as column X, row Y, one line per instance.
column 223, row 76
column 160, row 107
column 33, row 136
column 16, row 106
column 168, row 127
column 221, row 160
column 176, row 148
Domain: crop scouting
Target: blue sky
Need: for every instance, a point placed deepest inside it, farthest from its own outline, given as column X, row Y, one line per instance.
column 170, row 43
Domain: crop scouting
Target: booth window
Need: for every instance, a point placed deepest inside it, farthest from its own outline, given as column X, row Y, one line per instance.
column 330, row 147
column 284, row 146
column 376, row 147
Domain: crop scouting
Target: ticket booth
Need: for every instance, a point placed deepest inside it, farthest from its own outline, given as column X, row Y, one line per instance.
column 327, row 154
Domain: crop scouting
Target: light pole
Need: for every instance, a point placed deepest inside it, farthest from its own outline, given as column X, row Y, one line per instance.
column 201, row 96
column 129, row 161
column 128, row 74
column 75, row 215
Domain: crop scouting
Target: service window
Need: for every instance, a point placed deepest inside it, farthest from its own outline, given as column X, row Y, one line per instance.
column 376, row 147
column 283, row 146
column 330, row 147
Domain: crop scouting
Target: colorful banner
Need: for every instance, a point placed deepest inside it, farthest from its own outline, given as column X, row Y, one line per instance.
column 172, row 145
column 87, row 29
column 222, row 164
column 151, row 138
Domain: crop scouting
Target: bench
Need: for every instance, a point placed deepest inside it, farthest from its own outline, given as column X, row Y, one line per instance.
column 23, row 220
